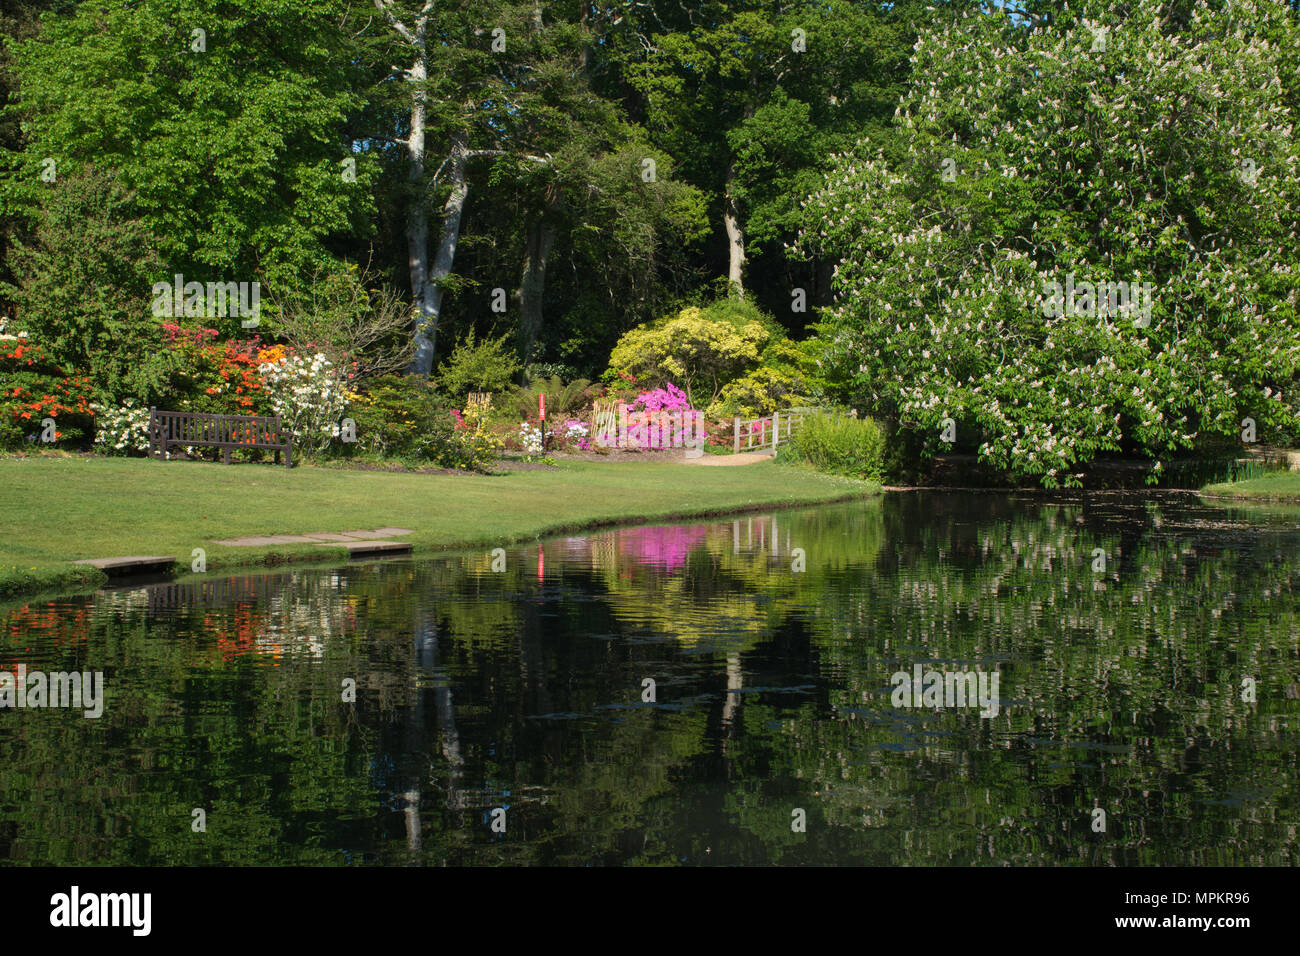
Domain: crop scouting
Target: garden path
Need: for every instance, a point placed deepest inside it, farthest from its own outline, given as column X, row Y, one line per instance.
column 744, row 458
column 323, row 537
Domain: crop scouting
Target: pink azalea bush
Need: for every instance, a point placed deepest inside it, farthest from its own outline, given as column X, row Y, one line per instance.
column 670, row 398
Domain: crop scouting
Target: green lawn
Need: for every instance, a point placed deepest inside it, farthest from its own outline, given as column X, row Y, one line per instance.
column 1276, row 486
column 56, row 510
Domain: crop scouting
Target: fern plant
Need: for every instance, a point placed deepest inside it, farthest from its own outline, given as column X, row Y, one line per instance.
column 561, row 399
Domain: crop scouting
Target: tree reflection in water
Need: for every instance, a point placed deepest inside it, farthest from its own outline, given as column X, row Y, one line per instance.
column 475, row 690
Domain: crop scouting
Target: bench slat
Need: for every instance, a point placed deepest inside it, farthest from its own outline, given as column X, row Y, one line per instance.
column 227, row 432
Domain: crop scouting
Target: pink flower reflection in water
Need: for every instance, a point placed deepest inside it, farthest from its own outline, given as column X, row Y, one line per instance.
column 663, row 547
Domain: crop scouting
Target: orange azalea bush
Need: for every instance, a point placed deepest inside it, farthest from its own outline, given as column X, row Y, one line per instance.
column 33, row 389
column 207, row 376
column 217, row 378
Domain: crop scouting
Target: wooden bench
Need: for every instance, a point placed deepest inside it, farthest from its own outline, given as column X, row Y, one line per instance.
column 169, row 431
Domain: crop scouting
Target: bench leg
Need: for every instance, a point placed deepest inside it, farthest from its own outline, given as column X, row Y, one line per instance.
column 225, row 455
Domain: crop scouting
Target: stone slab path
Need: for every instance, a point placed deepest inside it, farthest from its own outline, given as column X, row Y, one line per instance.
column 323, row 537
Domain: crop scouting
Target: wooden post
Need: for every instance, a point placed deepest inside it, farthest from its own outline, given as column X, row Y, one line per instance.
column 737, row 433
column 776, row 429
column 288, row 444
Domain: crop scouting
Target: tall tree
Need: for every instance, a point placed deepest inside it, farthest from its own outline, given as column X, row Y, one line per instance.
column 18, row 21
column 492, row 81
column 229, row 123
column 750, row 95
column 461, row 80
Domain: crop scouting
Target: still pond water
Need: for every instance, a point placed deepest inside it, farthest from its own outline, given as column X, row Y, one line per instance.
column 519, row 698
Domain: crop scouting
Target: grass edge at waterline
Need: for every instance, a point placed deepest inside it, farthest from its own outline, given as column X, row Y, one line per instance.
column 1273, row 486
column 57, row 510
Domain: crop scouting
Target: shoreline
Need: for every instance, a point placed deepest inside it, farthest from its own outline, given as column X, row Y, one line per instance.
column 488, row 518
column 457, row 512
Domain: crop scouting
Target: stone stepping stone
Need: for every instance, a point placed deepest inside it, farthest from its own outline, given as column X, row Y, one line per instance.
column 131, row 564
column 361, row 549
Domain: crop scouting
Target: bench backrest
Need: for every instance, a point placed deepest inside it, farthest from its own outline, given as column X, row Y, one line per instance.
column 197, row 428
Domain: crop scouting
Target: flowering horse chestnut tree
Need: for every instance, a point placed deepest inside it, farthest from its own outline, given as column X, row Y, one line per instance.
column 1147, row 151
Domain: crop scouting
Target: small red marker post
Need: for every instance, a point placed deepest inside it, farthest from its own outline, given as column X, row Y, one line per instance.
column 541, row 412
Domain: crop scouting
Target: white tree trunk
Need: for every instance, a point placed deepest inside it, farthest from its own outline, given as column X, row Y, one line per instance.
column 417, row 227
column 445, row 258
column 426, row 283
column 735, row 235
column 424, row 294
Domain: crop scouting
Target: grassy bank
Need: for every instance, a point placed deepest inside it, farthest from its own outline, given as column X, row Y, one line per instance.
column 1274, row 486
column 57, row 510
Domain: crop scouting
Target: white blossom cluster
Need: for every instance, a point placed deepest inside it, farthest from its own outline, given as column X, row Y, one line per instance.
column 121, row 429
column 1169, row 157
column 530, row 436
column 309, row 395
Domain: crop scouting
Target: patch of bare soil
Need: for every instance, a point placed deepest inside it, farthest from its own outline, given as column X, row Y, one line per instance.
column 622, row 454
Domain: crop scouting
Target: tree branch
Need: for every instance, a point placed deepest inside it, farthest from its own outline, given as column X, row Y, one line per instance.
column 385, row 7
column 545, row 160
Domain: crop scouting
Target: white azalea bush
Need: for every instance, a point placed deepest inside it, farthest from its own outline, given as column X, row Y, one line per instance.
column 121, row 429
column 530, row 437
column 1142, row 148
column 310, row 395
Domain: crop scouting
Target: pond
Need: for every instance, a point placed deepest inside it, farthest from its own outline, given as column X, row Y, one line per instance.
column 732, row 691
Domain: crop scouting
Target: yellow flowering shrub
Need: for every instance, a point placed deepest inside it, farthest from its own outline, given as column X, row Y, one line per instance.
column 698, row 354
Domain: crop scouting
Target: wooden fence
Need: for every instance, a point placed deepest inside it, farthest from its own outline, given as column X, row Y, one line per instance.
column 620, row 427
column 614, row 425
column 761, row 433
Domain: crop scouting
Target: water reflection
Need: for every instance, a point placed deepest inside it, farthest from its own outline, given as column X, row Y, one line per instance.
column 1124, row 630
